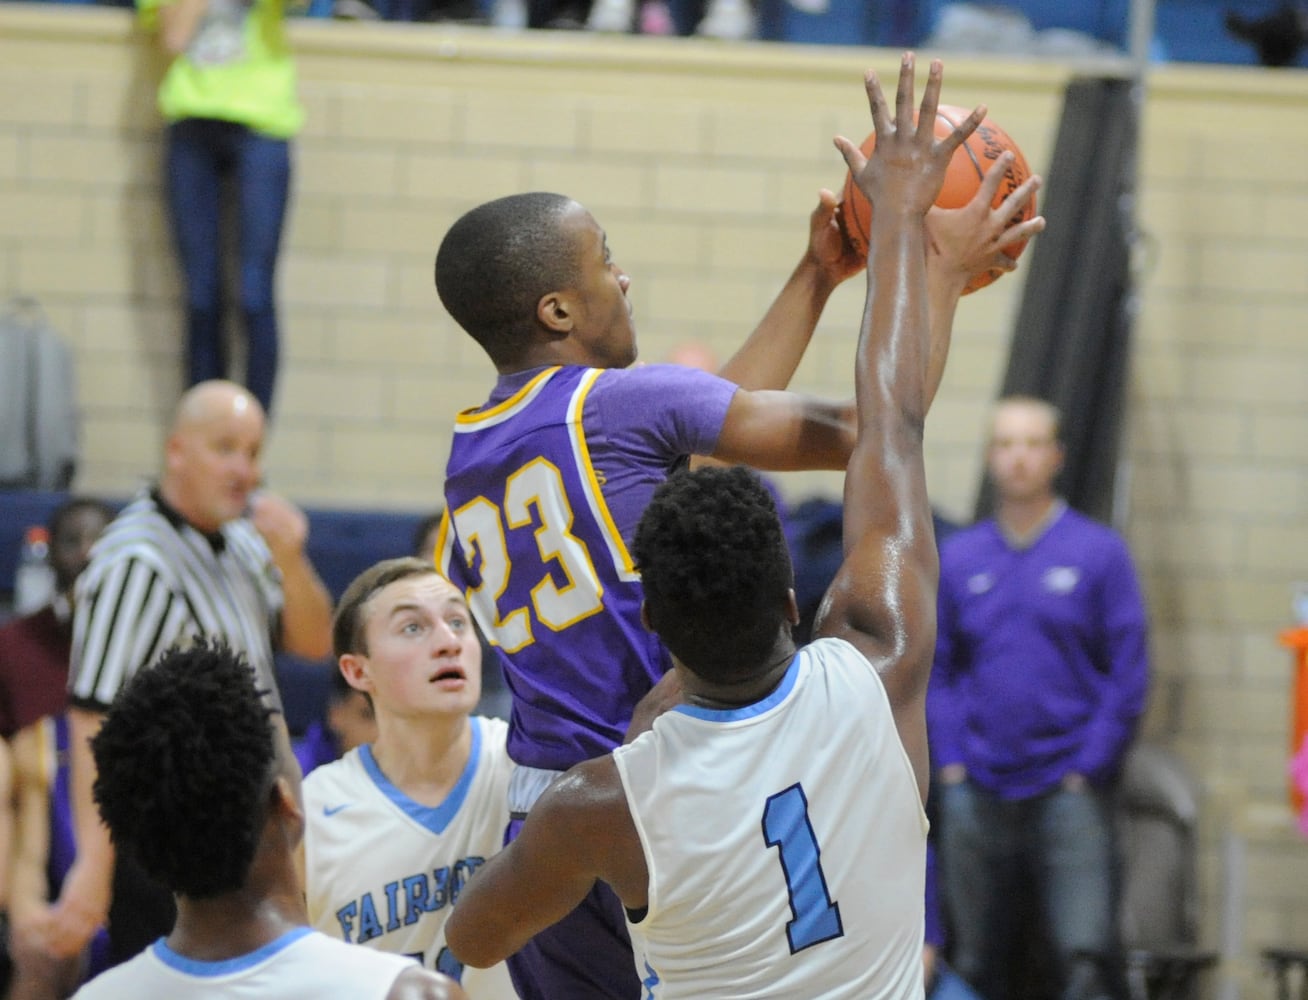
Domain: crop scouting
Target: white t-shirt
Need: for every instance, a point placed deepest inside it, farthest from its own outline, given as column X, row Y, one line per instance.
column 300, row 965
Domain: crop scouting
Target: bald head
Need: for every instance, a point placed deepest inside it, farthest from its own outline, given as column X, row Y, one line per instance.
column 210, row 401
column 211, row 463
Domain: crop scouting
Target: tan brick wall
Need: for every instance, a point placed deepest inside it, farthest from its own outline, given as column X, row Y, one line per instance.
column 702, row 161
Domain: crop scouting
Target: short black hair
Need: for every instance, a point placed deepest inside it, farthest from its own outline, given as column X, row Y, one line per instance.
column 498, row 261
column 716, row 570
column 186, row 762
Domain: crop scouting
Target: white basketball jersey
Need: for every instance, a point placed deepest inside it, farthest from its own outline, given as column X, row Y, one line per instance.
column 786, row 842
column 383, row 871
column 300, row 965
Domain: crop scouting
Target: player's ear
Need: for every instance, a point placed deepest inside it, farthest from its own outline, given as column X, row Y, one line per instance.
column 792, row 607
column 555, row 312
column 644, row 617
column 351, row 666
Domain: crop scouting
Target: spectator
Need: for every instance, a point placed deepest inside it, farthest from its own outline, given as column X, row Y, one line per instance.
column 210, row 806
column 546, row 480
column 200, row 553
column 34, row 650
column 229, row 99
column 348, row 721
column 1040, row 677
column 819, row 752
column 395, row 827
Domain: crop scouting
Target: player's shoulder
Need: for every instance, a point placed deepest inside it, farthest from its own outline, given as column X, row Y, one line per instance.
column 494, row 741
column 328, row 781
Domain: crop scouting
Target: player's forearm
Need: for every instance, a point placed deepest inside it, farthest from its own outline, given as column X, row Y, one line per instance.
column 943, row 292
column 769, row 357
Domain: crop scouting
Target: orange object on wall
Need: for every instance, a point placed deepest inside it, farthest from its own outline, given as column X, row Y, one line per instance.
column 1297, row 640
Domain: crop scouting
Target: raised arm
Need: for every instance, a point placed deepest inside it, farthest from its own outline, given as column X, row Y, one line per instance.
column 781, row 431
column 883, row 597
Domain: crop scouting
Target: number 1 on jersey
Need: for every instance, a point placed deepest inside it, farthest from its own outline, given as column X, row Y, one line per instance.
column 786, row 826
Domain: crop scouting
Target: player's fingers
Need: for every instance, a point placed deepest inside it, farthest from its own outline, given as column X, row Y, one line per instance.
column 1018, row 199
column 964, row 129
column 1020, row 232
column 876, row 102
column 926, row 119
column 904, row 95
column 854, row 157
column 989, row 186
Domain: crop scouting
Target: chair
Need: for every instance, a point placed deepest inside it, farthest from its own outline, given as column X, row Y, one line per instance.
column 1158, row 812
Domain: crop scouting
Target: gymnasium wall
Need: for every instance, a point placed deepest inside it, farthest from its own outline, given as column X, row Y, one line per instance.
column 702, row 161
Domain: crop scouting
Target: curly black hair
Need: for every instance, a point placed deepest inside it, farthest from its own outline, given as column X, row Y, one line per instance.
column 716, row 570
column 497, row 262
column 186, row 760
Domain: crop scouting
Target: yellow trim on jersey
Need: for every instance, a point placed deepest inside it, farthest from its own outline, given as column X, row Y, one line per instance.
column 502, row 411
column 594, row 495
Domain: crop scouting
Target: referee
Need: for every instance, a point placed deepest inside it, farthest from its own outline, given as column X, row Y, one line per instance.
column 200, row 553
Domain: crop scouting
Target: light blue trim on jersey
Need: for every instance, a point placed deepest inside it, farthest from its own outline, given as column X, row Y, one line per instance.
column 228, row 966
column 433, row 818
column 747, row 711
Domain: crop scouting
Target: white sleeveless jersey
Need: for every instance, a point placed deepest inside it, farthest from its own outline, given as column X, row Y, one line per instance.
column 382, row 870
column 300, row 965
column 786, row 842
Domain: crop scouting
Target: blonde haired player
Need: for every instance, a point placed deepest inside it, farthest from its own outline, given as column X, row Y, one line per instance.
column 395, row 827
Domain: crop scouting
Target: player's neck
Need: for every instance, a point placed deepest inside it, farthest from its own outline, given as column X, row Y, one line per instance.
column 238, row 923
column 423, row 757
column 718, row 695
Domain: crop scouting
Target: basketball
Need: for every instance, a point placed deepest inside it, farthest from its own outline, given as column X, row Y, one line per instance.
column 962, row 178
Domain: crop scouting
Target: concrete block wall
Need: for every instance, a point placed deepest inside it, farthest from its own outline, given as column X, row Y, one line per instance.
column 702, row 162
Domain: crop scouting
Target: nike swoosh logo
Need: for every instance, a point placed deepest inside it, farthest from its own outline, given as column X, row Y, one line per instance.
column 333, row 810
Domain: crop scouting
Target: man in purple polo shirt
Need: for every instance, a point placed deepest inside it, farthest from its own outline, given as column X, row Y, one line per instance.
column 1040, row 677
column 547, row 480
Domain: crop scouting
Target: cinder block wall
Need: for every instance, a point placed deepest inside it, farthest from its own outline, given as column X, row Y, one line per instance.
column 702, row 161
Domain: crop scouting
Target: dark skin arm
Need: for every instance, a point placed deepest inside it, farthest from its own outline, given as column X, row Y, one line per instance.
column 579, row 832
column 883, row 598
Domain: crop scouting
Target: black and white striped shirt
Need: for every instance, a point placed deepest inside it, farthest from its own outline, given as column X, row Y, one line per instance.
column 154, row 581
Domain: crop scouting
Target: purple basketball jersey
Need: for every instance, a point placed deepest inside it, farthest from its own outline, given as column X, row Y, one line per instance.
column 544, row 488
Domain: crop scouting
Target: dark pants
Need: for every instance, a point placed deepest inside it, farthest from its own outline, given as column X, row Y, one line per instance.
column 202, row 156
column 585, row 956
column 1060, row 845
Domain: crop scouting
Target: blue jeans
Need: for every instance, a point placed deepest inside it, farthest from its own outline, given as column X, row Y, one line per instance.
column 1061, row 846
column 202, row 156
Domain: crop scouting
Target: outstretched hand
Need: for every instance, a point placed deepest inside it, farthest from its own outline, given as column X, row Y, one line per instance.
column 963, row 243
column 907, row 167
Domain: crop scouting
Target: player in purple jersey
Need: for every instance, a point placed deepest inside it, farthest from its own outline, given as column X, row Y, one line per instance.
column 547, row 480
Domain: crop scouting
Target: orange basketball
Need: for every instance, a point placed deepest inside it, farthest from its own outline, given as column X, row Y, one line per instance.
column 962, row 178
